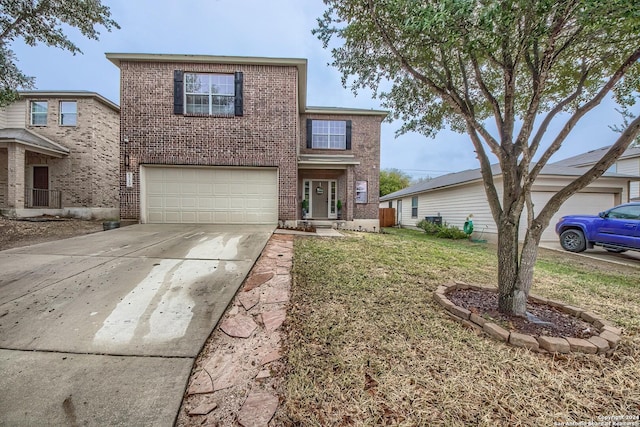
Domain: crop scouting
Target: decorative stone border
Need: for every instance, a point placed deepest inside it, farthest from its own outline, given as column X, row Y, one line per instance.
column 604, row 343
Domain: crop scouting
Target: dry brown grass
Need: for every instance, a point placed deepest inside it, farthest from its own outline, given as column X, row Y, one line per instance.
column 368, row 346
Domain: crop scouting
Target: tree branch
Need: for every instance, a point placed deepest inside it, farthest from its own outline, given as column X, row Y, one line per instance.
column 616, row 150
column 580, row 112
column 451, row 97
column 487, row 174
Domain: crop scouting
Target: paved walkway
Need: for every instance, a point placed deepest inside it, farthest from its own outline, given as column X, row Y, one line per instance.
column 232, row 380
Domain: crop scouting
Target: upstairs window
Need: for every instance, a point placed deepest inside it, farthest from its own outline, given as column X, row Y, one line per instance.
column 39, row 113
column 329, row 134
column 207, row 94
column 68, row 113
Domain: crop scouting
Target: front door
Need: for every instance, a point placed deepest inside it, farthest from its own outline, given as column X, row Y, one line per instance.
column 40, row 186
column 322, row 198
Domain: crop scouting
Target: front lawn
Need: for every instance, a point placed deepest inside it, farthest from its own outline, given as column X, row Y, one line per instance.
column 367, row 345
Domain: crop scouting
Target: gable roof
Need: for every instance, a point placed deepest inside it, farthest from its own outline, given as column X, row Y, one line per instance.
column 471, row 175
column 591, row 157
column 31, row 139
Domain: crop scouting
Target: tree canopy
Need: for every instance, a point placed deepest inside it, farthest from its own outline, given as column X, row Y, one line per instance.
column 43, row 21
column 392, row 180
column 502, row 71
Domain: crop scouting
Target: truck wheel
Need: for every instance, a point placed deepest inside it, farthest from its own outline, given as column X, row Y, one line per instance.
column 573, row 241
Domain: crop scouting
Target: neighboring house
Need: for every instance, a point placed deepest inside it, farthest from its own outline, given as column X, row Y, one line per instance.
column 455, row 196
column 627, row 164
column 211, row 139
column 59, row 155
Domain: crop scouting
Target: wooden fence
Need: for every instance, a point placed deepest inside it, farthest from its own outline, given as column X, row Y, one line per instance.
column 387, row 217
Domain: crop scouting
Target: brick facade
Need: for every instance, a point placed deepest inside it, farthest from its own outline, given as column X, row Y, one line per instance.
column 265, row 135
column 88, row 176
column 269, row 133
column 365, row 147
column 81, row 159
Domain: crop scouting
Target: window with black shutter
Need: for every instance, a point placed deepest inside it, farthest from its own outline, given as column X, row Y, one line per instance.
column 207, row 94
column 329, row 134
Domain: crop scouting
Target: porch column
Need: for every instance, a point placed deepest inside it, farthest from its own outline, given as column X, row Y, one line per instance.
column 351, row 193
column 15, row 176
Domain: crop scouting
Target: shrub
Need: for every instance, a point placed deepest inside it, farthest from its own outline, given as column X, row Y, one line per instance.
column 429, row 227
column 444, row 231
column 451, row 232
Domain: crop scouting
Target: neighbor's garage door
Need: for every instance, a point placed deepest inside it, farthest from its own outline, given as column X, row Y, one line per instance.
column 580, row 203
column 210, row 195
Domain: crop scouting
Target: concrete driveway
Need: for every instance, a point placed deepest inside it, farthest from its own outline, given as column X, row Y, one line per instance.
column 629, row 258
column 103, row 329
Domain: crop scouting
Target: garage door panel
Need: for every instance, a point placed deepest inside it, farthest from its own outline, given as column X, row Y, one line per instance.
column 171, row 202
column 189, row 203
column 206, row 203
column 579, row 203
column 205, row 190
column 221, row 188
column 211, row 195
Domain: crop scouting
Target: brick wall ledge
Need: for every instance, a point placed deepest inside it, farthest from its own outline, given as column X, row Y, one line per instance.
column 604, row 343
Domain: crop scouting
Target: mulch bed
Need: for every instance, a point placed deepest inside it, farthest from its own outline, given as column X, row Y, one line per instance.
column 550, row 321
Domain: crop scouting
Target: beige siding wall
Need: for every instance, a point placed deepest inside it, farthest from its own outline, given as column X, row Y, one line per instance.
column 16, row 115
column 631, row 167
column 455, row 204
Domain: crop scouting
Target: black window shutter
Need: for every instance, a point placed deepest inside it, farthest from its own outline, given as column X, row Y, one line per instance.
column 238, row 90
column 178, row 92
column 309, row 133
column 348, row 141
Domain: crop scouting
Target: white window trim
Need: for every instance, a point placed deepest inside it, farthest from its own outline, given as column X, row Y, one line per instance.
column 343, row 144
column 31, row 113
column 209, row 95
column 60, row 113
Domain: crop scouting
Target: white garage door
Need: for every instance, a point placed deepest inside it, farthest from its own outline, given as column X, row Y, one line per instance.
column 580, row 203
column 209, row 195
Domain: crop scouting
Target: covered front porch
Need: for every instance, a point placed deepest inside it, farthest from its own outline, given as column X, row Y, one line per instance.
column 28, row 164
column 325, row 184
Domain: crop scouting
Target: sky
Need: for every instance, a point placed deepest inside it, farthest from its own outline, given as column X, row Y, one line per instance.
column 272, row 28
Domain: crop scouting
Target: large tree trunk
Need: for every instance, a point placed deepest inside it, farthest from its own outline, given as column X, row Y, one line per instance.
column 515, row 267
column 509, row 295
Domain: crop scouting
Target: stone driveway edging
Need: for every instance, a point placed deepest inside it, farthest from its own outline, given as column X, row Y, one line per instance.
column 604, row 343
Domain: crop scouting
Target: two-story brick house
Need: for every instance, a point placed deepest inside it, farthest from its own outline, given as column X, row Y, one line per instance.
column 59, row 155
column 211, row 139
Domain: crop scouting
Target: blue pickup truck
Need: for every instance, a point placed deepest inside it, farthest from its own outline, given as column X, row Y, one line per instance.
column 616, row 230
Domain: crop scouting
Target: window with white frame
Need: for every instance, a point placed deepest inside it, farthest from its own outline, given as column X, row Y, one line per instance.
column 209, row 94
column 68, row 113
column 414, row 207
column 329, row 134
column 39, row 113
